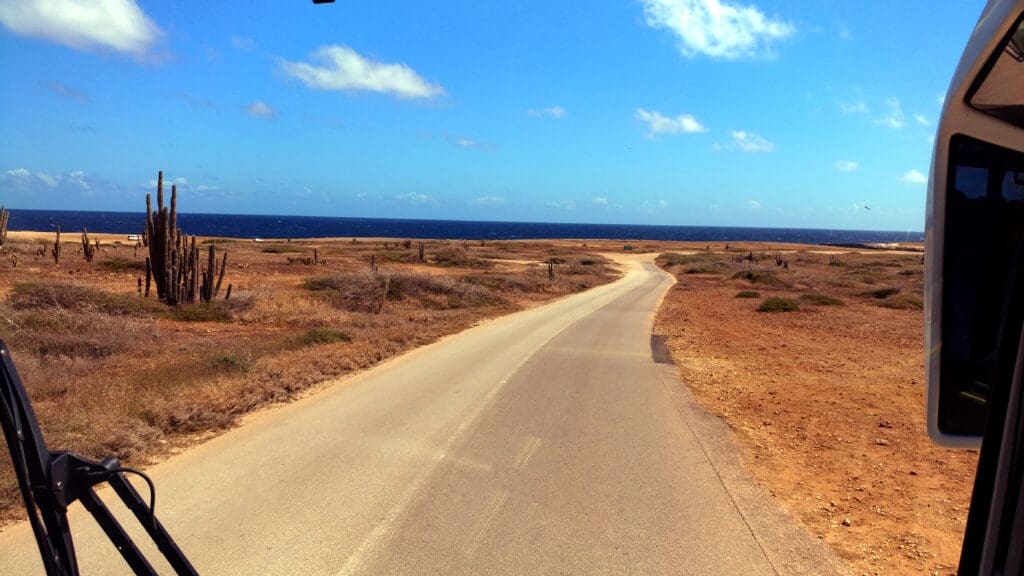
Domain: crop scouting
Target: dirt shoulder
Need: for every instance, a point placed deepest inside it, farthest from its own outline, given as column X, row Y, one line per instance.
column 828, row 400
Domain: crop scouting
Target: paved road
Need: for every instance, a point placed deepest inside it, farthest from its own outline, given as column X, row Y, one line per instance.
column 545, row 442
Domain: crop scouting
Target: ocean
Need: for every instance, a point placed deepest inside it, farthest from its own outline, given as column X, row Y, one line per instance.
column 245, row 226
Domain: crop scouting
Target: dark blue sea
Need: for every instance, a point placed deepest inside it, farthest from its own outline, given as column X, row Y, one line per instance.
column 238, row 226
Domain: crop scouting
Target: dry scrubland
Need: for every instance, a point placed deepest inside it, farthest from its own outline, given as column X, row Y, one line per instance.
column 815, row 358
column 111, row 372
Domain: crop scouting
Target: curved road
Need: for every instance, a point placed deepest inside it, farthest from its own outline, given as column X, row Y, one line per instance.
column 544, row 442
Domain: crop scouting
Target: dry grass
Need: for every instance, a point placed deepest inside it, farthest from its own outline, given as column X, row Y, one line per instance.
column 112, row 373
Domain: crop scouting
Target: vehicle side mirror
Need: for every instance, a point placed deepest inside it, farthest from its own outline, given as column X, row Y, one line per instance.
column 974, row 236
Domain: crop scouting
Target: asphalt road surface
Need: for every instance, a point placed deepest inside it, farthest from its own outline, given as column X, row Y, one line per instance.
column 544, row 442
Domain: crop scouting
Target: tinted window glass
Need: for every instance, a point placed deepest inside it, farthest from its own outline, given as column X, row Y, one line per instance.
column 983, row 279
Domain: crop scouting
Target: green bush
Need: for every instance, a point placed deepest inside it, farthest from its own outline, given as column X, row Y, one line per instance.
column 760, row 277
column 904, row 302
column 881, row 293
column 821, row 300
column 748, row 294
column 121, row 264
column 775, row 304
column 203, row 312
column 324, row 336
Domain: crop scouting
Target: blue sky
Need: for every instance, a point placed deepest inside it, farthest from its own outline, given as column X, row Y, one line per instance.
column 691, row 112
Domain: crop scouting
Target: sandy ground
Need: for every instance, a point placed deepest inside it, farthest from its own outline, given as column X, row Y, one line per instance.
column 829, row 402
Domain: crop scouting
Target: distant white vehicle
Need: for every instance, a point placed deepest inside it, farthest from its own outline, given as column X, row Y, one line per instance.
column 135, row 237
column 257, row 239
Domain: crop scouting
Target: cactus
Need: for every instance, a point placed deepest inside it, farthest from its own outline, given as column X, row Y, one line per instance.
column 55, row 251
column 3, row 224
column 422, row 256
column 208, row 291
column 551, row 271
column 88, row 248
column 173, row 261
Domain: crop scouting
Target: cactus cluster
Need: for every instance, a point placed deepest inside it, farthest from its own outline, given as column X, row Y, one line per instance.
column 88, row 248
column 173, row 263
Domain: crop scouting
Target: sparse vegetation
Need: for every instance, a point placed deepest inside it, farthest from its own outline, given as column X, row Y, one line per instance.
column 881, row 293
column 904, row 302
column 324, row 336
column 748, row 294
column 765, row 277
column 777, row 304
column 820, row 300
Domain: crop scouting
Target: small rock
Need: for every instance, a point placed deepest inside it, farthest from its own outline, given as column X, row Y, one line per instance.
column 846, row 522
column 882, row 442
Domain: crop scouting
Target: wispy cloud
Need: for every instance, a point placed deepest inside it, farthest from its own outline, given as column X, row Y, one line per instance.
column 487, row 201
column 119, row 25
column 342, row 68
column 24, row 179
column 599, row 201
column 717, row 28
column 914, row 177
column 753, row 205
column 567, row 205
column 464, row 142
column 846, row 165
column 552, row 112
column 260, row 110
column 749, row 142
column 653, row 206
column 854, row 107
column 922, row 120
column 660, row 124
column 67, row 91
column 243, row 44
column 894, row 118
column 416, row 198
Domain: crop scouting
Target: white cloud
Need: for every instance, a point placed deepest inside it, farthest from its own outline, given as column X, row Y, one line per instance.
column 855, row 107
column 18, row 173
column 552, row 112
column 846, row 165
column 717, row 28
column 487, row 201
column 940, row 99
column 753, row 205
column 920, row 119
column 416, row 198
column 78, row 178
column 260, row 110
column 470, row 143
column 342, row 68
column 569, row 205
column 599, row 200
column 746, row 142
column 844, row 32
column 895, row 118
column 914, row 177
column 118, row 25
column 652, row 206
column 659, row 124
column 244, row 44
column 47, row 179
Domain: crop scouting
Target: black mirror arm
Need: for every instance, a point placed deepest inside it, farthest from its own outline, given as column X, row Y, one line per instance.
column 51, row 481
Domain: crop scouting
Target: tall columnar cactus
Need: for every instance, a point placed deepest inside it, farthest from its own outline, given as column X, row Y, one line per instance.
column 173, row 263
column 88, row 248
column 3, row 225
column 55, row 251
